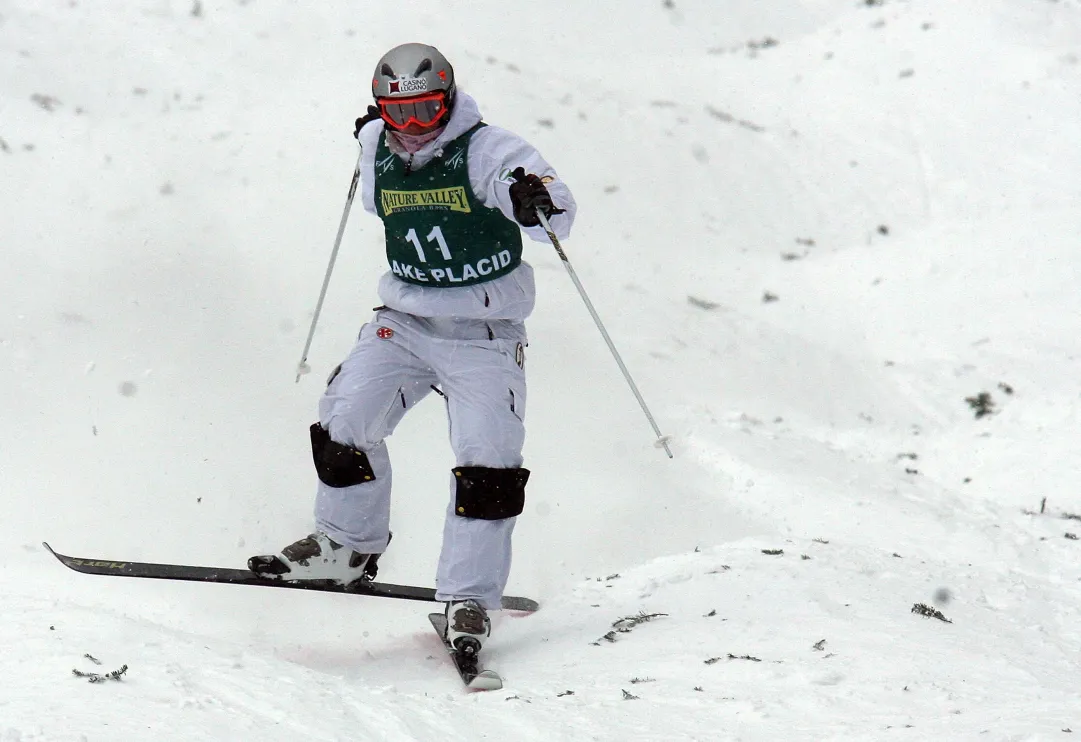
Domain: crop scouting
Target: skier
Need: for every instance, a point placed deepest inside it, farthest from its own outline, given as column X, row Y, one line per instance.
column 454, row 195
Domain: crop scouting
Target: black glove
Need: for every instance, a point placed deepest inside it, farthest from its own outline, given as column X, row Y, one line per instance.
column 371, row 115
column 528, row 194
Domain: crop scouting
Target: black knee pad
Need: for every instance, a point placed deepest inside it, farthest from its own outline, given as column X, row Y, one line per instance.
column 336, row 464
column 490, row 494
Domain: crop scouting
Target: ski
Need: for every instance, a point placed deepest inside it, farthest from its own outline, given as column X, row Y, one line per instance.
column 230, row 576
column 466, row 664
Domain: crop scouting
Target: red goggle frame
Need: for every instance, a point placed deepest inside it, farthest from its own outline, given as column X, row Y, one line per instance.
column 425, row 110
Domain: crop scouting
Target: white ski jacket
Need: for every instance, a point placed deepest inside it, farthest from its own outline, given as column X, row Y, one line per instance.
column 493, row 154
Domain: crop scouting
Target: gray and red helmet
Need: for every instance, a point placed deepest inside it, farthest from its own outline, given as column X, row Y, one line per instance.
column 414, row 85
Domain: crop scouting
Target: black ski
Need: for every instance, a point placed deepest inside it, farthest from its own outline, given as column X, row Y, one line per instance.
column 229, row 576
column 466, row 664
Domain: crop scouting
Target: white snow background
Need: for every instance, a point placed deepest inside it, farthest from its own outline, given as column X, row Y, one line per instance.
column 813, row 228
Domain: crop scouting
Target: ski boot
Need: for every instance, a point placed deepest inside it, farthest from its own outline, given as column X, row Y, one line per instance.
column 468, row 626
column 317, row 558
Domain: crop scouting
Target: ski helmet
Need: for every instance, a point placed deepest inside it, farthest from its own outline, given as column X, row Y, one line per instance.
column 414, row 85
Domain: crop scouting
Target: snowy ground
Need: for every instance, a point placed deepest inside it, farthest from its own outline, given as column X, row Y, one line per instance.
column 813, row 232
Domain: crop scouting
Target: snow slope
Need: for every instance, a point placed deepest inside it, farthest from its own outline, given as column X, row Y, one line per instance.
column 813, row 231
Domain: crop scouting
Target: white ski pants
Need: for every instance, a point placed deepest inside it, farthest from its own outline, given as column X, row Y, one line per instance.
column 478, row 367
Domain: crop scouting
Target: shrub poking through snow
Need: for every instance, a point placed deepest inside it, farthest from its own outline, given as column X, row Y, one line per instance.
column 94, row 677
column 715, row 660
column 747, row 657
column 982, row 404
column 926, row 610
column 625, row 624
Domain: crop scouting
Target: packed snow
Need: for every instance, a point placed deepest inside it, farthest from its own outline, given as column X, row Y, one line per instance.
column 836, row 242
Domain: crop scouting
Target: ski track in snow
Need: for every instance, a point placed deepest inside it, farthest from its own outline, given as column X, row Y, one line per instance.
column 812, row 232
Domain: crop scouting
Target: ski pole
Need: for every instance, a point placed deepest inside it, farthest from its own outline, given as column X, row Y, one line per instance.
column 662, row 440
column 303, row 367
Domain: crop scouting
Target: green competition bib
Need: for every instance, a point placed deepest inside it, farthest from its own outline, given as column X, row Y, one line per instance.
column 438, row 233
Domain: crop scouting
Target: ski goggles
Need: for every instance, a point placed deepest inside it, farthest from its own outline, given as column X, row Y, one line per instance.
column 423, row 110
